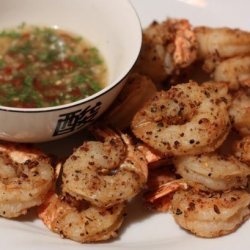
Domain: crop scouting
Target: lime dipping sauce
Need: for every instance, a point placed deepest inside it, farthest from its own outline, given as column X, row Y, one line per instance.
column 44, row 67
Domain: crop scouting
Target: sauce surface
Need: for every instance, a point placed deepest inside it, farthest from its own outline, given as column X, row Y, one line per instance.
column 44, row 67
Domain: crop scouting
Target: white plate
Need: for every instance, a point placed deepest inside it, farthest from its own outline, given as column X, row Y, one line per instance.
column 142, row 230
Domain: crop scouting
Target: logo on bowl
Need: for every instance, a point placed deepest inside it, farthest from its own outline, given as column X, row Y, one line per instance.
column 72, row 121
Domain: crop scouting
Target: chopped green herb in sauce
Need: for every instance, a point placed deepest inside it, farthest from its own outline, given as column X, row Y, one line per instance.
column 43, row 67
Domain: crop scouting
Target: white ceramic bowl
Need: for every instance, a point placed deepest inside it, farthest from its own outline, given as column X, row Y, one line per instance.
column 112, row 26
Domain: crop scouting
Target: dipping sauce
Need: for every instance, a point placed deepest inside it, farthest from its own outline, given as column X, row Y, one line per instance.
column 44, row 67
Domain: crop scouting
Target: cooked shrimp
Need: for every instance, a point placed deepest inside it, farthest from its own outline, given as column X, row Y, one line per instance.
column 160, row 198
column 161, row 185
column 208, row 214
column 240, row 112
column 19, row 152
column 105, row 173
column 150, row 155
column 235, row 71
column 76, row 221
column 187, row 119
column 215, row 44
column 137, row 90
column 154, row 159
column 26, row 175
column 213, row 171
column 167, row 47
column 242, row 149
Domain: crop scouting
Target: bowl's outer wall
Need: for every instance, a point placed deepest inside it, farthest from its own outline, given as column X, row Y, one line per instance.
column 59, row 123
column 119, row 41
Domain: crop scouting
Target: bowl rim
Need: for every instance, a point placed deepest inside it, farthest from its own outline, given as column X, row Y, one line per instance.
column 98, row 94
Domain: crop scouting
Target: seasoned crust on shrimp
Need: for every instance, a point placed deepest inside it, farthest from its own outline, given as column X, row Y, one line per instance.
column 208, row 214
column 26, row 176
column 167, row 47
column 240, row 112
column 221, row 42
column 213, row 171
column 79, row 222
column 234, row 71
column 242, row 149
column 105, row 173
column 20, row 152
column 187, row 119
